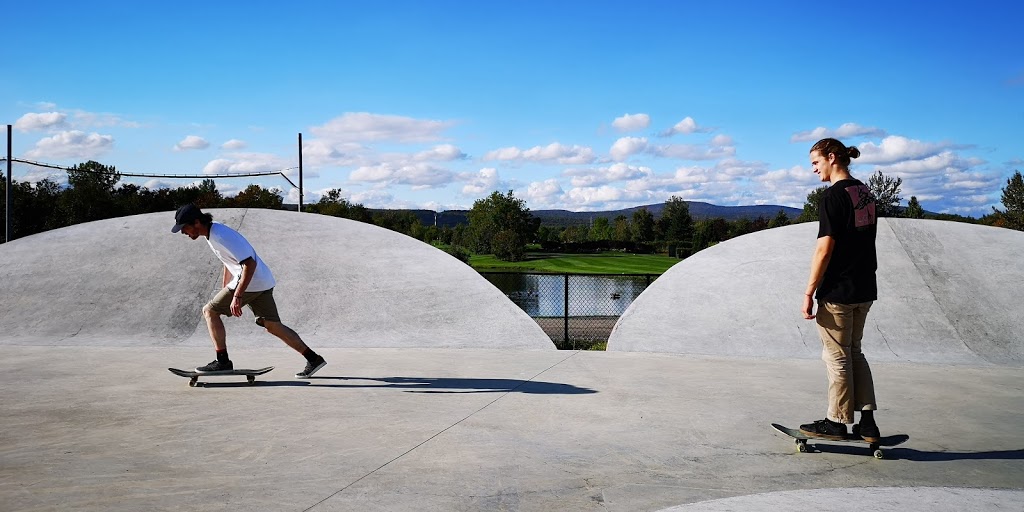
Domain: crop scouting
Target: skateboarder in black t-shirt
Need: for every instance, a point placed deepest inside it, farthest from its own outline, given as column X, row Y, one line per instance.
column 843, row 275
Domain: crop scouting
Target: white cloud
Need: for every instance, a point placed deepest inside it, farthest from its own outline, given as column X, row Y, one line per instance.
column 364, row 126
column 692, row 151
column 625, row 147
column 442, row 153
column 895, row 148
column 191, row 142
column 606, row 175
column 234, row 145
column 243, row 163
column 631, row 122
column 686, row 126
column 36, row 122
column 554, row 152
column 545, row 193
column 482, row 183
column 845, row 131
column 419, row 175
column 72, row 144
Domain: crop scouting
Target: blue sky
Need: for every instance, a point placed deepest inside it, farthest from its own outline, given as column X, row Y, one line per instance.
column 578, row 105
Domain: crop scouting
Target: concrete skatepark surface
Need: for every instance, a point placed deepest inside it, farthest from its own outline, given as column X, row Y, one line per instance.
column 96, row 422
column 947, row 293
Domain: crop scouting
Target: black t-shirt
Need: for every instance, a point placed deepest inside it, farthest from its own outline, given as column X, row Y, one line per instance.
column 847, row 214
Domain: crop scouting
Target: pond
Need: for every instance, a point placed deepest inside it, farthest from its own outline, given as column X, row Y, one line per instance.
column 543, row 295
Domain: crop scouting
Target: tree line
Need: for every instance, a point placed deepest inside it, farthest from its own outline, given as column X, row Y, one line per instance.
column 499, row 224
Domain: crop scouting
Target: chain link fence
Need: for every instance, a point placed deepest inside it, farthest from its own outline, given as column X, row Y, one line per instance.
column 577, row 311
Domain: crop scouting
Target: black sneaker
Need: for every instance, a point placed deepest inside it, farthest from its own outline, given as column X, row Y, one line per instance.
column 216, row 367
column 825, row 428
column 311, row 368
column 868, row 433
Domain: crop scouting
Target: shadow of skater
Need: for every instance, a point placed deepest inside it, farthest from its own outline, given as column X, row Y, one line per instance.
column 465, row 385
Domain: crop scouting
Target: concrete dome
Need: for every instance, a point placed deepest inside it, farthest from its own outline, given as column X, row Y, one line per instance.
column 129, row 281
column 948, row 293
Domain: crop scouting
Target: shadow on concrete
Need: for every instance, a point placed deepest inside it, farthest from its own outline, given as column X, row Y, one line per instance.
column 463, row 385
column 918, row 455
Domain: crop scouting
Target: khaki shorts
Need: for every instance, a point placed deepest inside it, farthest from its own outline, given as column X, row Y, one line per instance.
column 261, row 303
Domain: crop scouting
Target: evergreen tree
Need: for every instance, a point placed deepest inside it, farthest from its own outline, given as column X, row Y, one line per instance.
column 1013, row 201
column 887, row 194
column 914, row 209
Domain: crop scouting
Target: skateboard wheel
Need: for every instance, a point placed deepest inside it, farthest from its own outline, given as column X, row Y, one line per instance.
column 192, row 382
column 878, row 454
column 251, row 379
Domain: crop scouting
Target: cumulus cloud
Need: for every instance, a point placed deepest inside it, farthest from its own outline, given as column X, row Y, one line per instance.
column 72, row 144
column 244, row 163
column 606, row 175
column 545, row 193
column 692, row 151
column 32, row 122
column 845, row 131
column 234, row 145
column 482, row 183
column 895, row 149
column 442, row 153
column 626, row 147
column 554, row 152
column 631, row 122
column 365, row 127
column 418, row 175
column 686, row 126
column 191, row 142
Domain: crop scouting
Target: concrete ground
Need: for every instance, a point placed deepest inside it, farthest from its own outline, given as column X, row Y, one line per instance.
column 109, row 428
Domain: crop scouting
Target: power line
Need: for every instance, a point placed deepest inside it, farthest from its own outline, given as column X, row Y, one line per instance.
column 181, row 176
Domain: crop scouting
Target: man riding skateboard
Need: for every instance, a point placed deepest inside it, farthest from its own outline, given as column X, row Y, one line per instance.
column 843, row 275
column 247, row 281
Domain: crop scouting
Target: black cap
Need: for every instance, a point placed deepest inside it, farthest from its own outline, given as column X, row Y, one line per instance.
column 186, row 215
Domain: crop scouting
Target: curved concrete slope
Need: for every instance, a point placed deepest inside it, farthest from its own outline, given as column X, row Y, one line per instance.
column 341, row 283
column 948, row 293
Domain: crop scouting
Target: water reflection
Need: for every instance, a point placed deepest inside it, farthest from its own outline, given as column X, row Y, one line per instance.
column 543, row 295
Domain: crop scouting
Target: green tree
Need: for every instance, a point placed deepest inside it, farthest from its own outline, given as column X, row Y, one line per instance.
column 209, row 196
column 255, row 196
column 503, row 215
column 914, row 209
column 887, row 194
column 331, row 203
column 621, row 229
column 810, row 213
column 600, row 229
column 675, row 223
column 1013, row 201
column 643, row 226
column 90, row 193
column 780, row 219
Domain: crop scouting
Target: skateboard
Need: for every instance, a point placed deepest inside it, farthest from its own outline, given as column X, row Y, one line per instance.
column 876, row 447
column 193, row 376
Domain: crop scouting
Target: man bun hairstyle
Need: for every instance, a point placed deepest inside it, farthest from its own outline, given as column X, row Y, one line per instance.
column 843, row 153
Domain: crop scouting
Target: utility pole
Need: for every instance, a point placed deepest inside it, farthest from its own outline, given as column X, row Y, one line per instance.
column 9, row 195
column 300, row 172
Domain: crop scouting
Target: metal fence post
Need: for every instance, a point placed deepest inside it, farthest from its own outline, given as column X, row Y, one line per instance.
column 565, row 339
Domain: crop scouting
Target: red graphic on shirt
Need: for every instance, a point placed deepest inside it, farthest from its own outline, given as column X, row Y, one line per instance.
column 863, row 205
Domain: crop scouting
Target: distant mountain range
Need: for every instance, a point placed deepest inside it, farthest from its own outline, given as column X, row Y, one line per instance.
column 561, row 218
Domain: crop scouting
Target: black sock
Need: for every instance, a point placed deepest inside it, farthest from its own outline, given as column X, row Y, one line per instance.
column 310, row 355
column 867, row 417
column 222, row 356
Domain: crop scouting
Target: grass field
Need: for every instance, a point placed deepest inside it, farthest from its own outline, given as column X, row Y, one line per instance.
column 603, row 263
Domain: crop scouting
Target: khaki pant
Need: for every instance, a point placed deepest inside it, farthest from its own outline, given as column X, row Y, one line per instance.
column 850, row 387
column 261, row 303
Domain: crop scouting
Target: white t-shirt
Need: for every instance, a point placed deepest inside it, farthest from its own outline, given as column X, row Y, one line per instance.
column 232, row 248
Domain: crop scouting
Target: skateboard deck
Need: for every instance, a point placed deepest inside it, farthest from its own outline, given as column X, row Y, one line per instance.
column 876, row 447
column 193, row 376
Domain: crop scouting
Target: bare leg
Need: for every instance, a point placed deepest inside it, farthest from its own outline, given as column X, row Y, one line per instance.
column 286, row 334
column 216, row 328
